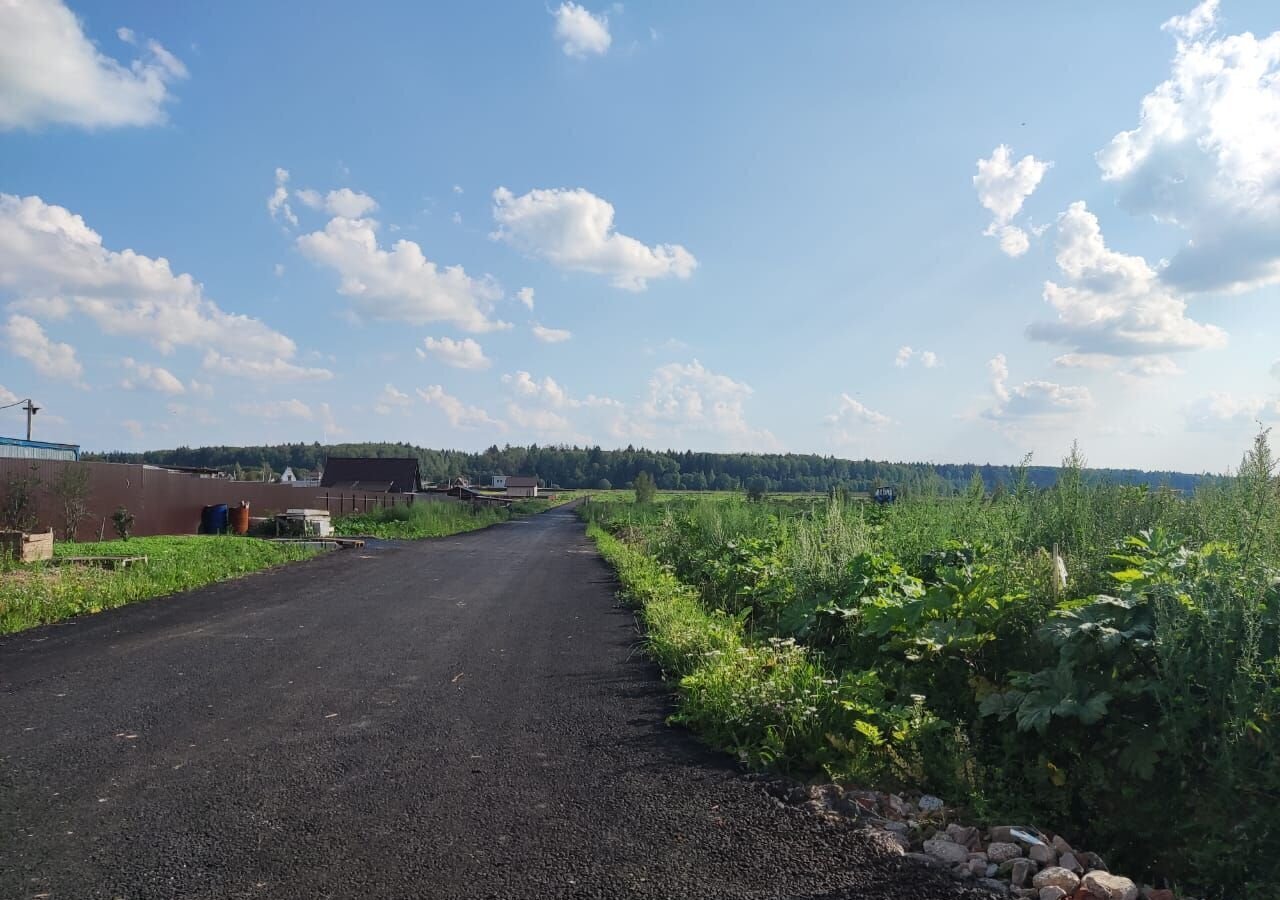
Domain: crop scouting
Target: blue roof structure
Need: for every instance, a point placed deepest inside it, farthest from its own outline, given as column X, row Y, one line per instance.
column 17, row 448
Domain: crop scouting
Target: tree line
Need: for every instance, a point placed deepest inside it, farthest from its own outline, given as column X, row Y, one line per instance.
column 598, row 469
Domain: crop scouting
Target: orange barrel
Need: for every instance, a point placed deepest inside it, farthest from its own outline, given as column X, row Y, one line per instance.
column 240, row 518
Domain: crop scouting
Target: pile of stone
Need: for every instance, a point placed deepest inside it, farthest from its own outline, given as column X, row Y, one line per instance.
column 1017, row 861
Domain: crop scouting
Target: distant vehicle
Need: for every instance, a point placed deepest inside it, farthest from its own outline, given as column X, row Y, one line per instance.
column 886, row 494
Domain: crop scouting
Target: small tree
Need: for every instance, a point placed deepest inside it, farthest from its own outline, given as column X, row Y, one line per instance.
column 977, row 488
column 645, row 488
column 71, row 487
column 1257, row 494
column 757, row 487
column 604, row 484
column 122, row 520
column 18, row 505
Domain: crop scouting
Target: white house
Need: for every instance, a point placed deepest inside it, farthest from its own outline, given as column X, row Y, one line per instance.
column 499, row 481
column 288, row 477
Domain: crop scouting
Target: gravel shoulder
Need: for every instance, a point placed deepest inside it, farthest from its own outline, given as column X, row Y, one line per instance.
column 463, row 717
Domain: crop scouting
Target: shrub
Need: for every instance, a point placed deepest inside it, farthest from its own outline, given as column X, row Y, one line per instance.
column 18, row 504
column 645, row 488
column 71, row 488
column 122, row 521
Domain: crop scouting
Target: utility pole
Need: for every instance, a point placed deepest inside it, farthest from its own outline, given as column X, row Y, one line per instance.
column 31, row 409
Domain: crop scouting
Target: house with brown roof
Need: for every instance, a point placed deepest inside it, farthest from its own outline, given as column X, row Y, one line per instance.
column 522, row 485
column 377, row 475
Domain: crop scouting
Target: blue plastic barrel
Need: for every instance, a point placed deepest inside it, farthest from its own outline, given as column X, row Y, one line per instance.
column 213, row 519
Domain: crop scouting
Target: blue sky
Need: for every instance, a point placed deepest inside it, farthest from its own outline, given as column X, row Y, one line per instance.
column 742, row 227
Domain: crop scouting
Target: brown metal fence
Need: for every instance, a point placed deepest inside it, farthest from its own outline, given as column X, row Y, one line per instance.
column 167, row 502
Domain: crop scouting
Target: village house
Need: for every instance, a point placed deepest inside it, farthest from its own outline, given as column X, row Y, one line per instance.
column 376, row 475
column 522, row 485
column 289, row 477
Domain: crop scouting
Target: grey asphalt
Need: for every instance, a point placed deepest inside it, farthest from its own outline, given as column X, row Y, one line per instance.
column 464, row 717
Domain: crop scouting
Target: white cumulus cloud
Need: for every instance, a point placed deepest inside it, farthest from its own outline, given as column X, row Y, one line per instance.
column 543, row 421
column 391, row 400
column 463, row 354
column 1221, row 410
column 52, row 74
column 143, row 376
column 1205, row 155
column 278, row 202
column 525, row 296
column 53, row 265
column 550, row 335
column 852, row 412
column 1031, row 400
column 550, row 392
column 273, row 368
column 342, row 202
column 1113, row 304
column 547, row 390
column 27, row 340
column 1003, row 186
column 687, row 402
column 580, row 32
column 927, row 358
column 459, row 414
column 574, row 229
column 400, row 284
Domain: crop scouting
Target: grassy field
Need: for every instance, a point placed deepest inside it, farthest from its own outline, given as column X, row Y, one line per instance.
column 1103, row 660
column 439, row 519
column 36, row 594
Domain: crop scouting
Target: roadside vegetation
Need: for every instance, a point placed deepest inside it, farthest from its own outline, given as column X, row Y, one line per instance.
column 1102, row 659
column 39, row 593
column 438, row 519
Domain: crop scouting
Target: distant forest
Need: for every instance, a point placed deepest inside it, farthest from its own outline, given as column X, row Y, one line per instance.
column 592, row 467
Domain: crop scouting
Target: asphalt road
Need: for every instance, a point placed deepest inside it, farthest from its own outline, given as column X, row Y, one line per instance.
column 464, row 717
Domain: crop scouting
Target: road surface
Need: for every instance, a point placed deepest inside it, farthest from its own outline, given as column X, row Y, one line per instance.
column 465, row 717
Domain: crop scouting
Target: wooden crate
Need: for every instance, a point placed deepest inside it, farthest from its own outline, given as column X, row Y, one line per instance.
column 23, row 547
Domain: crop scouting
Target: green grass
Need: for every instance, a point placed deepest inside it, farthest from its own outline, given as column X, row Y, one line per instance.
column 421, row 520
column 439, row 518
column 36, row 594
